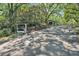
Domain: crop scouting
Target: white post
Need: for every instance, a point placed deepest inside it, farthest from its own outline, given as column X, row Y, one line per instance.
column 25, row 28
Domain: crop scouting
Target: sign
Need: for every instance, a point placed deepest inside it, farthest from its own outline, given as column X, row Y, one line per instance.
column 49, row 22
column 22, row 28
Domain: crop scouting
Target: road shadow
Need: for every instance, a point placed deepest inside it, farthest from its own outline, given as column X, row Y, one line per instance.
column 54, row 47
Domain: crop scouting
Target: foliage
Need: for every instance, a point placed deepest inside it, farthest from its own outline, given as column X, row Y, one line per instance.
column 71, row 13
column 37, row 15
column 13, row 36
column 5, row 32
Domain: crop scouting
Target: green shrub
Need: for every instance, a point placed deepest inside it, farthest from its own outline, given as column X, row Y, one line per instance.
column 5, row 32
column 1, row 33
column 13, row 36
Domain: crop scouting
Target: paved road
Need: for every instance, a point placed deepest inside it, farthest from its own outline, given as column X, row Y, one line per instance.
column 60, row 42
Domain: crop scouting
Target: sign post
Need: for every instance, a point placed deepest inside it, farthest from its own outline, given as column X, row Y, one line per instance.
column 22, row 28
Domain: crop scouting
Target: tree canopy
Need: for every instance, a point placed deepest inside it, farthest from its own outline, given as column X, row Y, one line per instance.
column 37, row 14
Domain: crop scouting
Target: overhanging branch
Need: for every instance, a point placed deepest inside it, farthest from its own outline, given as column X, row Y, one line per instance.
column 50, row 13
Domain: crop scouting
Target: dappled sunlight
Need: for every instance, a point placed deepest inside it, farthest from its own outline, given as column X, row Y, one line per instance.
column 31, row 29
column 55, row 45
